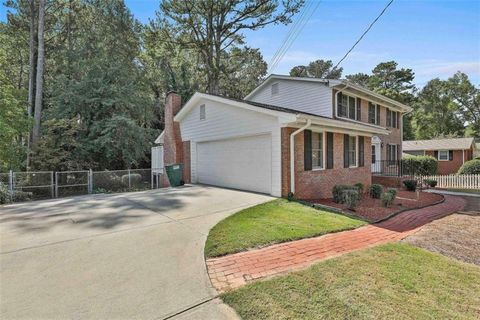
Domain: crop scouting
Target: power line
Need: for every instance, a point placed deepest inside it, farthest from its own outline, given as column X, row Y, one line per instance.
column 366, row 31
column 294, row 33
column 289, row 36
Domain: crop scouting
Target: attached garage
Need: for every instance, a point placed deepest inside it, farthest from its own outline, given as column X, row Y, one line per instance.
column 243, row 163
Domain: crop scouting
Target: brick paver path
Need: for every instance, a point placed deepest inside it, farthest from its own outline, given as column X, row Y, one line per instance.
column 235, row 270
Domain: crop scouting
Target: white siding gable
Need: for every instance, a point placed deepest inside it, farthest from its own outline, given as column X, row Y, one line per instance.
column 310, row 97
column 224, row 121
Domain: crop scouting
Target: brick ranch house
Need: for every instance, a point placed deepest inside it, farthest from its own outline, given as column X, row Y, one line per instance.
column 338, row 131
column 451, row 154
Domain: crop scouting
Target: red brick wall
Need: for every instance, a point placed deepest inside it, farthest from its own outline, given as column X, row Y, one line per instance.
column 450, row 167
column 174, row 150
column 316, row 184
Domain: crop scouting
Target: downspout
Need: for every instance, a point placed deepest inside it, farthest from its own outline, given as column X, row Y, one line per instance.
column 292, row 154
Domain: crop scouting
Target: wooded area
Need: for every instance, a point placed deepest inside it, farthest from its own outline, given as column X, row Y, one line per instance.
column 82, row 82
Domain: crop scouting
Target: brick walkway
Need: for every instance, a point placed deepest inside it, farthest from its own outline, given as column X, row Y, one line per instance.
column 235, row 270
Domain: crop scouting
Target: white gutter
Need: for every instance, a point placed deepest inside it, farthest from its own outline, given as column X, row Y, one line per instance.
column 292, row 154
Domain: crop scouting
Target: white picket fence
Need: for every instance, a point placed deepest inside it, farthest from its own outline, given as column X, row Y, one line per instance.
column 465, row 181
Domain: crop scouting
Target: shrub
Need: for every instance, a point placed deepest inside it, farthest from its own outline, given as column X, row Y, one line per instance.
column 470, row 167
column 375, row 190
column 337, row 192
column 19, row 196
column 411, row 185
column 290, row 196
column 420, row 165
column 430, row 182
column 393, row 191
column 5, row 196
column 135, row 179
column 387, row 199
column 351, row 197
column 360, row 187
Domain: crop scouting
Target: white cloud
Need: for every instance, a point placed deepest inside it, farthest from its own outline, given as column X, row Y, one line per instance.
column 440, row 69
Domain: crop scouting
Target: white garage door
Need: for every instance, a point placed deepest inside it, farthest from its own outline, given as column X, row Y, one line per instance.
column 240, row 163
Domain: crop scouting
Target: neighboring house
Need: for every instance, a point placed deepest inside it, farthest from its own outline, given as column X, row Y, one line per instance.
column 450, row 153
column 336, row 129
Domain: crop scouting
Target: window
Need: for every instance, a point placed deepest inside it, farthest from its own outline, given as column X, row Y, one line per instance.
column 443, row 155
column 317, row 150
column 202, row 112
column 374, row 154
column 393, row 119
column 392, row 152
column 346, row 106
column 352, row 151
column 275, row 89
column 373, row 110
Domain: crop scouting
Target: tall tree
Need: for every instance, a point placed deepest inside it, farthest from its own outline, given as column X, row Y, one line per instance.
column 39, row 72
column 317, row 69
column 467, row 97
column 436, row 115
column 213, row 28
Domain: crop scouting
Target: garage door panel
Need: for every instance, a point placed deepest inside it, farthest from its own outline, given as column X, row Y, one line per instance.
column 240, row 163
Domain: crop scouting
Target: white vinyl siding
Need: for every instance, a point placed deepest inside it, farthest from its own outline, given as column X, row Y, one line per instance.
column 309, row 97
column 226, row 122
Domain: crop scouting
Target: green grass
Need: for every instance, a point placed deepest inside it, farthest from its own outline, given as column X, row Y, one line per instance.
column 273, row 222
column 394, row 281
column 475, row 191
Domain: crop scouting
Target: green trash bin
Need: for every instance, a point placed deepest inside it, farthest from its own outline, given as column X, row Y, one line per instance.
column 175, row 174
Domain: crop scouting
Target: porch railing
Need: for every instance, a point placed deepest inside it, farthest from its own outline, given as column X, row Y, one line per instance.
column 396, row 168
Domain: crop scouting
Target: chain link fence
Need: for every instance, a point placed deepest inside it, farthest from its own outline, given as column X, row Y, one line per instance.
column 22, row 186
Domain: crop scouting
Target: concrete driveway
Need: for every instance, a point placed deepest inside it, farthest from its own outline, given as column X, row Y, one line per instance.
column 124, row 256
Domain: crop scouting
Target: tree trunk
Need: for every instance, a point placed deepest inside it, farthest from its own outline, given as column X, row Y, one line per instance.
column 31, row 73
column 40, row 65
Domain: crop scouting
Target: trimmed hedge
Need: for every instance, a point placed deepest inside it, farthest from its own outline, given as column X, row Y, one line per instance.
column 470, row 167
column 420, row 165
column 375, row 190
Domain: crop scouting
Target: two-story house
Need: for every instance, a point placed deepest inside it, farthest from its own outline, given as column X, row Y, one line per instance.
column 299, row 135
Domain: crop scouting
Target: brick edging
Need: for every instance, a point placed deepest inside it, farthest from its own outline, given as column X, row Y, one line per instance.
column 393, row 214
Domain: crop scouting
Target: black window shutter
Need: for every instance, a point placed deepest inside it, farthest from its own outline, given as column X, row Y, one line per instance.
column 378, row 114
column 398, row 120
column 307, row 136
column 389, row 118
column 361, row 152
column 399, row 155
column 359, row 109
column 435, row 154
column 450, row 155
column 346, row 161
column 329, row 150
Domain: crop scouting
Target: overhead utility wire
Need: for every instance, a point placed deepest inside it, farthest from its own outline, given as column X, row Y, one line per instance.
column 366, row 31
column 294, row 33
column 289, row 35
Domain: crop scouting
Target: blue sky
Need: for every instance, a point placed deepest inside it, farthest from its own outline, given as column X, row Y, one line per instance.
column 433, row 37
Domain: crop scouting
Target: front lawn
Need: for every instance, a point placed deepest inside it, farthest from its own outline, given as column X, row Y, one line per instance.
column 273, row 222
column 394, row 281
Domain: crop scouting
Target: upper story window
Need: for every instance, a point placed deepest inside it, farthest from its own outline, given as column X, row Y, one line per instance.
column 373, row 113
column 317, row 150
column 202, row 112
column 346, row 106
column 275, row 89
column 393, row 119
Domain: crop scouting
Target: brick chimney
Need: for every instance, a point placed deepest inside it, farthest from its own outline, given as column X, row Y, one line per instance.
column 172, row 139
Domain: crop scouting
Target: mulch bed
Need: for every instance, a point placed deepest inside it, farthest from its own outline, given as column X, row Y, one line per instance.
column 372, row 209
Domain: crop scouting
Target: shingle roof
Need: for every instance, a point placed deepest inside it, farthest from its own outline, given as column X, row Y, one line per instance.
column 438, row 144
